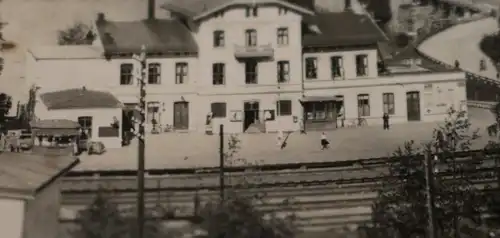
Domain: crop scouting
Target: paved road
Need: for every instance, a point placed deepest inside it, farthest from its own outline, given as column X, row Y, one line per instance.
column 462, row 43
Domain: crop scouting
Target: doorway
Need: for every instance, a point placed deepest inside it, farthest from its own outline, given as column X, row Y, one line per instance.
column 413, row 106
column 181, row 115
column 251, row 113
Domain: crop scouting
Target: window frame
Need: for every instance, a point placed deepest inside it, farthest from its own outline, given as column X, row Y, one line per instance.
column 311, row 64
column 388, row 101
column 218, row 73
column 282, row 11
column 154, row 73
column 283, row 68
column 219, row 39
column 86, row 126
column 251, row 37
column 336, row 66
column 215, row 113
column 279, row 107
column 251, row 11
column 251, row 77
column 282, row 36
column 126, row 74
column 363, row 108
column 152, row 114
column 181, row 72
column 361, row 65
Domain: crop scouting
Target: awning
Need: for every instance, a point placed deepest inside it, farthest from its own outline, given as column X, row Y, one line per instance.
column 320, row 99
column 55, row 132
column 55, row 124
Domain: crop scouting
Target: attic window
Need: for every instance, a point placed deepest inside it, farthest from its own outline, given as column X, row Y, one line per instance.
column 219, row 14
column 251, row 11
column 282, row 11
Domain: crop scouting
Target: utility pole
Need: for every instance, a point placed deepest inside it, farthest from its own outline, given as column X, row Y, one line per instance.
column 221, row 163
column 141, row 141
column 429, row 179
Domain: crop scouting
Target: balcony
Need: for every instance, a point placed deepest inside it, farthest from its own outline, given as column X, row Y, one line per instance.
column 258, row 51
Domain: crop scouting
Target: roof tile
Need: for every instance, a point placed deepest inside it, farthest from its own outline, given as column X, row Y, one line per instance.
column 342, row 29
column 79, row 98
column 159, row 36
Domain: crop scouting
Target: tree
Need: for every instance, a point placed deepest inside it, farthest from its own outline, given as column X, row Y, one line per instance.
column 103, row 219
column 5, row 106
column 78, row 34
column 490, row 46
column 381, row 10
column 237, row 216
column 401, row 208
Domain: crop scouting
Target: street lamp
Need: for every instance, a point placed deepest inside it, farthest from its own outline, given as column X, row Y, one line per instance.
column 141, row 77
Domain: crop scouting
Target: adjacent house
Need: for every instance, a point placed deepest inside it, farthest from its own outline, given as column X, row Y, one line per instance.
column 99, row 114
column 30, row 195
column 262, row 64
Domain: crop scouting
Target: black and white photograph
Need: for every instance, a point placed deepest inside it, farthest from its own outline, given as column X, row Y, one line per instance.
column 250, row 118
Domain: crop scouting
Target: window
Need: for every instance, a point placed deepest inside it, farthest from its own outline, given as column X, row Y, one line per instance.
column 311, row 68
column 181, row 72
column 363, row 105
column 337, row 69
column 251, row 37
column 282, row 36
column 218, row 109
column 388, row 101
column 283, row 71
column 251, row 11
column 284, row 107
column 251, row 72
column 153, row 109
column 219, row 39
column 154, row 73
column 219, row 14
column 361, row 65
column 86, row 125
column 218, row 73
column 126, row 74
column 282, row 11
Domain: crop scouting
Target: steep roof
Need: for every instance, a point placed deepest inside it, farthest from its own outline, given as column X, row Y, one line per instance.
column 342, row 29
column 194, row 8
column 159, row 36
column 79, row 99
column 26, row 174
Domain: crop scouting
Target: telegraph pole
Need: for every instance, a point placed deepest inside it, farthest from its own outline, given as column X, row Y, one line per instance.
column 141, row 141
column 221, row 163
column 429, row 179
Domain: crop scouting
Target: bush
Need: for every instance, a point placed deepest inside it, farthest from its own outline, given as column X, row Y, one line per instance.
column 490, row 46
column 402, row 40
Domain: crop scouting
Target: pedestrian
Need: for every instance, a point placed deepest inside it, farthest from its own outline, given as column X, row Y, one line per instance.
column 279, row 138
column 324, row 141
column 457, row 64
column 385, row 118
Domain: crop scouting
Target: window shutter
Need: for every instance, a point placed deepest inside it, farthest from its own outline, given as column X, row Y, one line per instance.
column 340, row 62
column 315, row 63
column 365, row 60
column 186, row 69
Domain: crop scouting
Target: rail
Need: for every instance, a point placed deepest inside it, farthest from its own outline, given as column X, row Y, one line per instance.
column 481, row 104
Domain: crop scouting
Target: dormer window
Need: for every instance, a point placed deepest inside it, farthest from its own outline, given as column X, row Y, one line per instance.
column 282, row 11
column 251, row 11
column 219, row 14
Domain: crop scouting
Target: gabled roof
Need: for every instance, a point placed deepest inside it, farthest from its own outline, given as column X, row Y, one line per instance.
column 79, row 99
column 24, row 175
column 201, row 8
column 343, row 29
column 159, row 37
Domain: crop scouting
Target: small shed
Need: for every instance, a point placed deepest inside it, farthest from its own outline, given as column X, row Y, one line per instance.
column 30, row 196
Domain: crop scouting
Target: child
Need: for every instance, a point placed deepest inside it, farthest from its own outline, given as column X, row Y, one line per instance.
column 324, row 141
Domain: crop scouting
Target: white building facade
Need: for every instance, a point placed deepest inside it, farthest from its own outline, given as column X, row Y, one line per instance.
column 268, row 64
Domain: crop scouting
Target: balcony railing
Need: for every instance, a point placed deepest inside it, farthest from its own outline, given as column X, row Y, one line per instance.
column 257, row 51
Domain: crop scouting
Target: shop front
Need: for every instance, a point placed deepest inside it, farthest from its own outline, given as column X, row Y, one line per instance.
column 322, row 112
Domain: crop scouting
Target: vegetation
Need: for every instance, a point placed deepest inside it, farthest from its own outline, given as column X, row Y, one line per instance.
column 401, row 210
column 5, row 106
column 78, row 34
column 381, row 10
column 490, row 46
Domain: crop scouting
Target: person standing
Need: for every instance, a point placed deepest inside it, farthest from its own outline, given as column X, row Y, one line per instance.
column 324, row 141
column 385, row 118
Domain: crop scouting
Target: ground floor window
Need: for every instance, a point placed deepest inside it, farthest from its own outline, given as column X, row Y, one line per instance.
column 320, row 111
column 86, row 126
column 284, row 107
column 388, row 102
column 363, row 105
column 218, row 109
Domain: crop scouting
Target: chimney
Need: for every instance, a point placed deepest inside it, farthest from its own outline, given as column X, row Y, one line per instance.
column 101, row 18
column 151, row 9
column 347, row 5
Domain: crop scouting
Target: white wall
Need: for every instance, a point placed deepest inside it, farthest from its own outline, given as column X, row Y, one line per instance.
column 11, row 217
column 234, row 23
column 100, row 118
